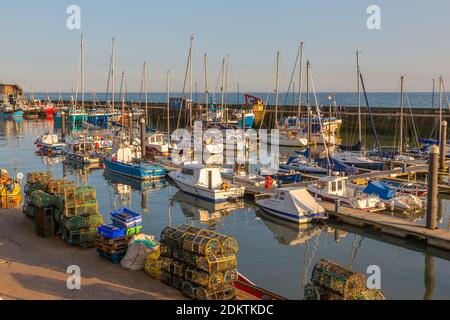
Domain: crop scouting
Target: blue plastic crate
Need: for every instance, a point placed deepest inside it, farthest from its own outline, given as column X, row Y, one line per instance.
column 112, row 231
column 126, row 215
column 127, row 225
column 114, row 258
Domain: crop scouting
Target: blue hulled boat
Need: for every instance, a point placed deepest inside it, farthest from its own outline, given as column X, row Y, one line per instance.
column 124, row 161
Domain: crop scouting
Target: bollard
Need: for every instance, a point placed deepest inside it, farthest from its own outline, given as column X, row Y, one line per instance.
column 143, row 152
column 432, row 188
column 337, row 205
column 63, row 126
column 443, row 145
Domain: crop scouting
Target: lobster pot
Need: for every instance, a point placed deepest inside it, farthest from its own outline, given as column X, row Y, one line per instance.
column 200, row 244
column 204, row 279
column 42, row 199
column 228, row 245
column 368, row 295
column 216, row 263
column 311, row 292
column 337, row 279
column 230, row 276
column 171, row 237
column 166, row 278
column 31, row 187
column 74, row 223
column 166, row 251
column 58, row 186
column 78, row 201
column 39, row 177
column 189, row 289
column 94, row 221
column 175, row 267
column 165, row 264
column 226, row 292
column 177, row 282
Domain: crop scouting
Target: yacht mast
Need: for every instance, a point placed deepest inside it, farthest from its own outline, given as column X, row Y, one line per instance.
column 441, row 92
column 82, row 73
column 168, row 107
column 222, row 91
column 226, row 87
column 190, row 82
column 206, row 88
column 308, row 107
column 359, row 95
column 276, row 89
column 400, row 151
column 122, row 96
column 113, row 62
column 300, row 79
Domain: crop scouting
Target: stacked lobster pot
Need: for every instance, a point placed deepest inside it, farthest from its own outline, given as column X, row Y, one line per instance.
column 199, row 262
column 79, row 217
column 330, row 281
column 36, row 181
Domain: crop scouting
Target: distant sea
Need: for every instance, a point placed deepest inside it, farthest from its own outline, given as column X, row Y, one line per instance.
column 387, row 100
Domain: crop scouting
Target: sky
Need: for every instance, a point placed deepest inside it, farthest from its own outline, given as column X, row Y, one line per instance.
column 41, row 54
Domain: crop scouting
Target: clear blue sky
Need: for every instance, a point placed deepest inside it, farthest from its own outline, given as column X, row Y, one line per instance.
column 39, row 51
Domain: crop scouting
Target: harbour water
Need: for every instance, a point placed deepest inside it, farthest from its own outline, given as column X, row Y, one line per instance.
column 275, row 255
column 376, row 99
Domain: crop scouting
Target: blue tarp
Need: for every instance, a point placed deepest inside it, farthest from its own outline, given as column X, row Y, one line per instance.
column 380, row 189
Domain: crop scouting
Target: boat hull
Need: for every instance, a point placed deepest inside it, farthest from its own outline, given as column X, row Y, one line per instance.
column 289, row 216
column 133, row 171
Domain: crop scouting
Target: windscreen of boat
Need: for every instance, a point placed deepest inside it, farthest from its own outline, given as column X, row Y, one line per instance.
column 187, row 171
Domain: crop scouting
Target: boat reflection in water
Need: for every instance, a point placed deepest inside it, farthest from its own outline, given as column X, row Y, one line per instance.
column 51, row 160
column 80, row 171
column 288, row 233
column 133, row 183
column 207, row 213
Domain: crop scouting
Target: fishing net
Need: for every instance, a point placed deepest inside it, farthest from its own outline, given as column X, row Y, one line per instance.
column 42, row 199
column 94, row 220
column 204, row 279
column 337, row 279
column 75, row 223
column 225, row 292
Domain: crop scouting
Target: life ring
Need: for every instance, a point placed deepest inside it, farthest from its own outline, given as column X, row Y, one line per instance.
column 225, row 186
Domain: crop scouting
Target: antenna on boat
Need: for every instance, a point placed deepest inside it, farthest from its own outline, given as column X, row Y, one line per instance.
column 276, row 89
column 358, row 76
column 168, row 107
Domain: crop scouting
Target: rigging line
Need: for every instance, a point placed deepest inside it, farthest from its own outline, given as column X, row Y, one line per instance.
column 413, row 122
column 292, row 77
column 371, row 117
column 355, row 251
column 268, row 95
column 319, row 115
column 188, row 65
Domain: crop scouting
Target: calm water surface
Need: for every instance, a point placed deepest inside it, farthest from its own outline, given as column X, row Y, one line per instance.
column 272, row 254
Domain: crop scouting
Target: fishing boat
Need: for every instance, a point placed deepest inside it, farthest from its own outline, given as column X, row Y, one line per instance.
column 257, row 107
column 205, row 182
column 236, row 119
column 417, row 189
column 82, row 151
column 49, row 143
column 126, row 161
column 156, row 145
column 293, row 204
column 10, row 111
column 10, row 190
column 335, row 188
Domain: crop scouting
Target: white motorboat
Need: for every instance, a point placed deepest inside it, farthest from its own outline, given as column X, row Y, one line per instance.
column 293, row 204
column 155, row 145
column 205, row 182
column 49, row 141
column 335, row 188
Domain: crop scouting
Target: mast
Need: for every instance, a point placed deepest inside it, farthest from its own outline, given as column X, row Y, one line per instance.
column 432, row 97
column 308, row 108
column 222, row 90
column 82, row 73
column 400, row 151
column 276, row 89
column 300, row 79
column 206, row 88
column 441, row 92
column 358, row 71
column 113, row 62
column 168, row 107
column 146, row 93
column 122, row 96
column 226, row 87
column 190, row 83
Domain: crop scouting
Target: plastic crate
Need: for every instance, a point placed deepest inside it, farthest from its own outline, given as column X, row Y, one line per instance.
column 111, row 231
column 114, row 258
column 133, row 231
column 126, row 215
column 130, row 224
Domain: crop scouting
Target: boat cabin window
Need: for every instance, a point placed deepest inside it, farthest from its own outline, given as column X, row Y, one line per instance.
column 333, row 186
column 340, row 185
column 188, row 171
